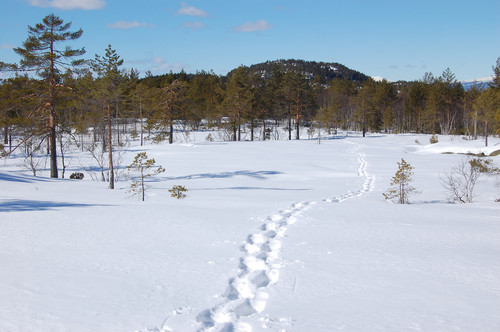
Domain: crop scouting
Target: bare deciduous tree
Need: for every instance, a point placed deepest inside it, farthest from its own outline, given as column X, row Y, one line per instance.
column 460, row 182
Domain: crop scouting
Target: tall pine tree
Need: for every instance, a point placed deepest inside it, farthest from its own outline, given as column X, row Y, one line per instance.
column 40, row 53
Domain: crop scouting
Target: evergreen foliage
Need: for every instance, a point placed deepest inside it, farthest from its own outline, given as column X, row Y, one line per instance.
column 142, row 167
column 249, row 103
column 178, row 192
column 40, row 54
column 400, row 184
column 327, row 71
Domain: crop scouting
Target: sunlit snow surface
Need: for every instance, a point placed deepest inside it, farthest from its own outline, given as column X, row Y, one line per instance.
column 274, row 236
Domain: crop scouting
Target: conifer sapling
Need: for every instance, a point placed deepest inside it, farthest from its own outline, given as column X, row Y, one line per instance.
column 400, row 184
column 142, row 166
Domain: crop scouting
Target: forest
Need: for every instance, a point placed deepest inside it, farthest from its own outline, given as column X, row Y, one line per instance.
column 55, row 97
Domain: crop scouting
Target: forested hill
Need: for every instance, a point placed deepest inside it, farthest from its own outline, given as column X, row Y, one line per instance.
column 326, row 70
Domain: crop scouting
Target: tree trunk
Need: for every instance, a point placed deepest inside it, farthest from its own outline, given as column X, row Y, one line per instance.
column 61, row 147
column 289, row 123
column 239, row 126
column 251, row 129
column 319, row 133
column 171, row 136
column 52, row 116
column 110, row 148
column 486, row 133
column 140, row 114
column 297, row 119
column 53, row 151
column 475, row 125
column 264, row 130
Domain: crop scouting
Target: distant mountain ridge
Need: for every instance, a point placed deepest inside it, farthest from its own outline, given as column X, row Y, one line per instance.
column 328, row 71
column 480, row 84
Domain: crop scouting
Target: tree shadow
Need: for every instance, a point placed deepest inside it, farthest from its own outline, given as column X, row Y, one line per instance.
column 17, row 205
column 261, row 175
column 435, row 201
column 252, row 188
column 20, row 178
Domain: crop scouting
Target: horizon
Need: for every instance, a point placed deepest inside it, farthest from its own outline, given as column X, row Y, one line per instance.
column 396, row 41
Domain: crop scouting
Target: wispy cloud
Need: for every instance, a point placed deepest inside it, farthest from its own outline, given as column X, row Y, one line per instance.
column 123, row 25
column 69, row 4
column 157, row 65
column 194, row 25
column 260, row 25
column 161, row 66
column 191, row 11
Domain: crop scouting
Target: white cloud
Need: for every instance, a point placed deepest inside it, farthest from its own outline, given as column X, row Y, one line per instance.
column 6, row 46
column 253, row 26
column 69, row 4
column 194, row 25
column 157, row 60
column 161, row 66
column 191, row 11
column 126, row 25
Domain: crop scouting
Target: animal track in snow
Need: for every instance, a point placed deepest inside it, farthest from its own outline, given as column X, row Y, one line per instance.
column 259, row 268
column 368, row 180
column 260, row 265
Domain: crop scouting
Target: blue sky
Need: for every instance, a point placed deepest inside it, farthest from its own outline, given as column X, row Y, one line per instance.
column 398, row 40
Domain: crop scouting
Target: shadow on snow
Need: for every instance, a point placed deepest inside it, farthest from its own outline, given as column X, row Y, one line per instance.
column 34, row 205
column 224, row 175
column 251, row 188
column 19, row 178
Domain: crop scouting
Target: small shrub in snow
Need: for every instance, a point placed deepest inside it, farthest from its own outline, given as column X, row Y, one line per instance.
column 434, row 139
column 400, row 184
column 178, row 192
column 76, row 176
column 484, row 166
column 460, row 182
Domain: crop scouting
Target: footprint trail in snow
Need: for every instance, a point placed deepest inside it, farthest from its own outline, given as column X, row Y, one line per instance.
column 368, row 180
column 259, row 268
column 247, row 292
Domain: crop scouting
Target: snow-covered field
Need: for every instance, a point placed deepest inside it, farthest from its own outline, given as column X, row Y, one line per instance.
column 274, row 236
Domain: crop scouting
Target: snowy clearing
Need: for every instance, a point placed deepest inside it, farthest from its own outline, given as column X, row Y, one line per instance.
column 273, row 236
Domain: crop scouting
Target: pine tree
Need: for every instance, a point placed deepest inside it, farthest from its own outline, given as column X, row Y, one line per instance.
column 400, row 183
column 39, row 53
column 142, row 165
column 238, row 99
column 171, row 103
column 109, row 90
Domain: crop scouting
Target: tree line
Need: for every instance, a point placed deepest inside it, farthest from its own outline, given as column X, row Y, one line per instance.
column 52, row 95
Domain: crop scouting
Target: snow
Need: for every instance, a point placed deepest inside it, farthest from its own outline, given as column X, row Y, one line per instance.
column 378, row 78
column 273, row 236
